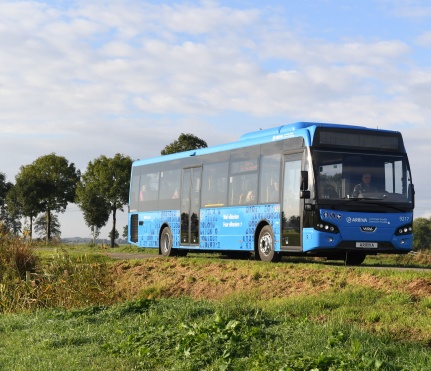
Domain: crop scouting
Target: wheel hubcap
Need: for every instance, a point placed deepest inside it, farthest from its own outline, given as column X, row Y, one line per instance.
column 266, row 244
column 166, row 243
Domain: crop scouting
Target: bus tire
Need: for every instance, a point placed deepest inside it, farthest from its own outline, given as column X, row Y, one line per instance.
column 265, row 246
column 166, row 243
column 354, row 258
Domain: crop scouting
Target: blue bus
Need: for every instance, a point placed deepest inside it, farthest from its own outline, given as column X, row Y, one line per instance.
column 297, row 189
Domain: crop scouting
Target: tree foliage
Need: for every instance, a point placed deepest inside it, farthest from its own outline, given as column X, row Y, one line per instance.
column 185, row 142
column 40, row 226
column 4, row 188
column 9, row 218
column 22, row 199
column 46, row 186
column 106, row 182
column 95, row 207
column 422, row 233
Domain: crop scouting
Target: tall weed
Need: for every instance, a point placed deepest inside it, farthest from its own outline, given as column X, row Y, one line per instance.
column 16, row 257
column 64, row 282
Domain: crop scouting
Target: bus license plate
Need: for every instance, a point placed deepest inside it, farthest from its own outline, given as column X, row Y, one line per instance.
column 367, row 245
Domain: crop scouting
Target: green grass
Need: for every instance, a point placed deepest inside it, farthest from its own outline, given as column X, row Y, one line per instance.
column 182, row 334
column 70, row 313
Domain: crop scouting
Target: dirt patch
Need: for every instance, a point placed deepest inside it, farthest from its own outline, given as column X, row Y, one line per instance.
column 128, row 256
column 155, row 277
column 420, row 287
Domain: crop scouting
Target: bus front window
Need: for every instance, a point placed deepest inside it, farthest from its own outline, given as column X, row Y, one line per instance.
column 330, row 180
column 353, row 176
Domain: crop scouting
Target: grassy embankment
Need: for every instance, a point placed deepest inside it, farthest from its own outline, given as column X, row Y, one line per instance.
column 80, row 310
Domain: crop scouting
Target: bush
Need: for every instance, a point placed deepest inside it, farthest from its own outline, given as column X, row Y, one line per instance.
column 16, row 257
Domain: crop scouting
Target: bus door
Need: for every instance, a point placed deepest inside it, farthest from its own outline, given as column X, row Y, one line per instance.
column 291, row 210
column 190, row 205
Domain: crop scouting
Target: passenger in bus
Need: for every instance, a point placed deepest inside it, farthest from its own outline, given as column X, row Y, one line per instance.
column 363, row 187
column 250, row 198
column 272, row 192
column 176, row 194
column 142, row 193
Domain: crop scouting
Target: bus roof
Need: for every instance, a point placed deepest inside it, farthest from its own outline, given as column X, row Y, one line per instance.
column 297, row 129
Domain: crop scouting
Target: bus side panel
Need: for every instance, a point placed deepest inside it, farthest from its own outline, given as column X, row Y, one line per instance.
column 150, row 224
column 234, row 228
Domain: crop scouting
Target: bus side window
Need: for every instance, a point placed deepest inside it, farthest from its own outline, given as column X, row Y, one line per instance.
column 270, row 179
column 134, row 189
column 214, row 181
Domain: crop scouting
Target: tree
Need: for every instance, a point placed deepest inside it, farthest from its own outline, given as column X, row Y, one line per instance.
column 41, row 228
column 22, row 199
column 107, row 179
column 115, row 235
column 94, row 206
column 12, row 215
column 9, row 218
column 47, row 185
column 185, row 142
column 4, row 188
column 422, row 233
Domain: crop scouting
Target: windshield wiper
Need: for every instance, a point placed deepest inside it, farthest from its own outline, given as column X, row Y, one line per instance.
column 366, row 200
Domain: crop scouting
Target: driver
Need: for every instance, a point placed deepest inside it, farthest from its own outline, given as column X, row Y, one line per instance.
column 364, row 186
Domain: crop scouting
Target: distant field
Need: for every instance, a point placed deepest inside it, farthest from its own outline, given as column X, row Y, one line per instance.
column 206, row 312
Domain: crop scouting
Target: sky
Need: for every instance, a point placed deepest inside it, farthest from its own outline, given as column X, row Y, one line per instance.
column 83, row 78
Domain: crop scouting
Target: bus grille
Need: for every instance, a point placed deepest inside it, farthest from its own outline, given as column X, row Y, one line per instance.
column 134, row 228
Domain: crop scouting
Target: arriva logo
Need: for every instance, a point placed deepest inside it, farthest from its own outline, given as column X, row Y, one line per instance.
column 356, row 220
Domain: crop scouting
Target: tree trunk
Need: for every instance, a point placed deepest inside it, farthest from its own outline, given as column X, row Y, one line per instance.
column 31, row 229
column 48, row 226
column 94, row 235
column 114, row 221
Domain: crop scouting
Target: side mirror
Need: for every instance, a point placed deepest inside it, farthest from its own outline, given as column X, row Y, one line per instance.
column 412, row 194
column 304, row 180
column 305, row 194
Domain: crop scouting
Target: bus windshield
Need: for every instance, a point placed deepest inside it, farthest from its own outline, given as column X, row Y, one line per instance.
column 384, row 179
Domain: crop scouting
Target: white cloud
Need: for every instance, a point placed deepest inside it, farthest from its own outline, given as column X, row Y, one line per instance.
column 424, row 39
column 416, row 9
column 86, row 57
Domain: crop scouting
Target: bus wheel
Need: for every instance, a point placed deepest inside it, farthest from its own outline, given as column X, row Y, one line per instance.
column 265, row 246
column 166, row 242
column 355, row 258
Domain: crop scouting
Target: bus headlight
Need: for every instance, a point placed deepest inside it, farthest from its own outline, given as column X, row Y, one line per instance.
column 326, row 227
column 405, row 229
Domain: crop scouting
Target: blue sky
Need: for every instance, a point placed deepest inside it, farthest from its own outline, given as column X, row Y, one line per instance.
column 86, row 78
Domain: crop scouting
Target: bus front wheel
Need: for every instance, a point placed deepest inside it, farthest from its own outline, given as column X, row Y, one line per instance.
column 265, row 246
column 166, row 242
column 354, row 258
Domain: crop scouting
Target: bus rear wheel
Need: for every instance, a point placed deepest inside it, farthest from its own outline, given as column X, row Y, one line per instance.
column 265, row 246
column 166, row 243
